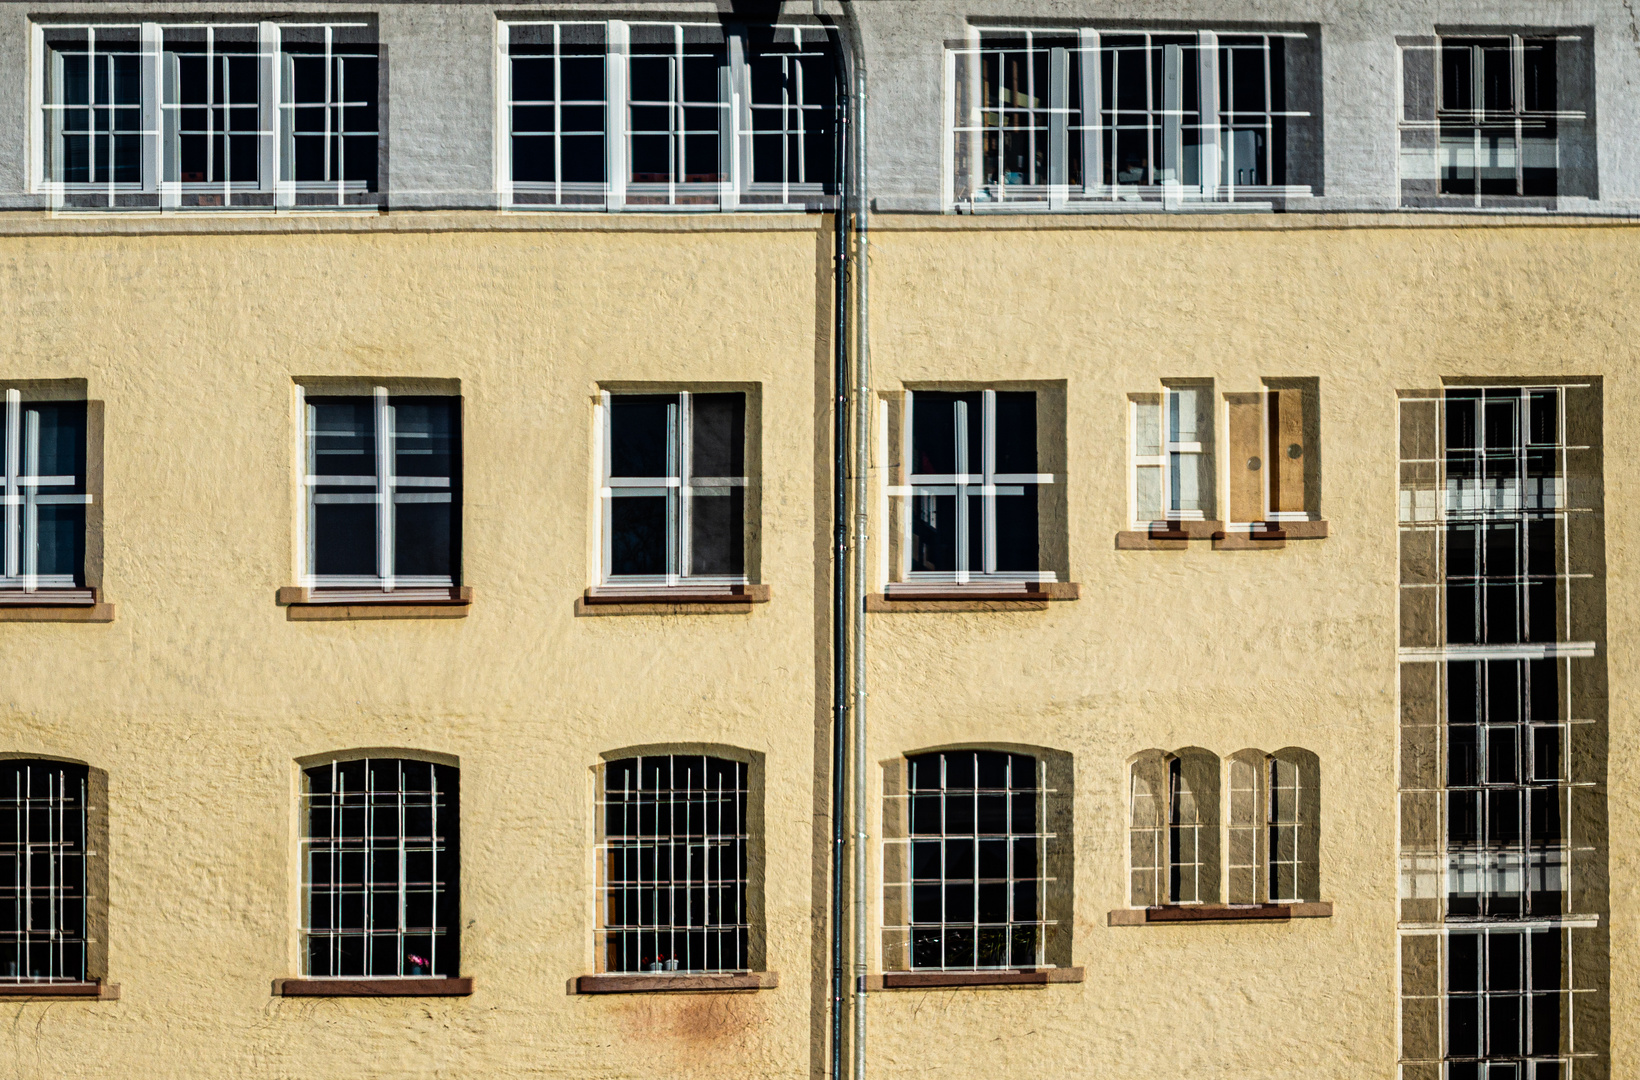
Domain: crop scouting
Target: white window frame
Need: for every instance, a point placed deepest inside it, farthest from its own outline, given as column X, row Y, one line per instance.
column 22, row 499
column 1216, row 166
column 679, row 487
column 735, row 132
column 387, row 495
column 961, row 484
column 1171, row 459
column 160, row 186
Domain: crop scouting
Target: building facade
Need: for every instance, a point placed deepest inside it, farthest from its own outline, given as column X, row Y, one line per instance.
column 1244, row 637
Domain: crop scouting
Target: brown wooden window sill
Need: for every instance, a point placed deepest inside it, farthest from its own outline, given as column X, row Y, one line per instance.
column 1196, row 913
column 54, row 605
column 640, row 983
column 1177, row 538
column 311, row 605
column 951, row 980
column 903, row 596
column 411, row 987
column 674, row 600
column 92, row 990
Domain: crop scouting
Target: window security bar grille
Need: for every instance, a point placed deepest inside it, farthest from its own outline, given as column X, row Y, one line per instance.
column 44, row 496
column 972, row 487
column 1172, row 456
column 42, row 872
column 380, row 865
column 673, row 489
column 977, row 859
column 1082, row 118
column 1506, row 1000
column 254, row 116
column 382, row 478
column 674, row 865
column 616, row 115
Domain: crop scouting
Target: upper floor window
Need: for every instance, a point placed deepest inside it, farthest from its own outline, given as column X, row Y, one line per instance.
column 44, row 500
column 674, row 865
column 1500, row 119
column 673, row 489
column 382, row 483
column 253, row 115
column 615, row 115
column 42, row 872
column 1172, row 478
column 1075, row 118
column 380, row 869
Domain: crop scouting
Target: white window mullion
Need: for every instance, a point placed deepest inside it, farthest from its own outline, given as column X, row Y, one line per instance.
column 673, row 494
column 267, row 107
column 988, row 499
column 14, row 432
column 730, row 79
column 1172, row 173
column 149, row 74
column 961, row 428
column 1207, row 153
column 1092, row 114
column 384, row 489
column 31, row 493
column 615, row 81
column 504, row 110
column 686, row 471
column 1058, row 133
column 606, row 500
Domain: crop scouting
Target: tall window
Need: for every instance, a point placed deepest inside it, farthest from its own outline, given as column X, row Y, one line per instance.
column 610, row 115
column 1173, row 479
column 42, row 872
column 674, row 489
column 1173, row 828
column 976, row 860
column 380, row 861
column 673, row 865
column 973, row 486
column 1497, row 117
column 383, row 482
column 1505, row 1002
column 44, row 446
column 1068, row 118
column 1184, row 839
column 253, row 115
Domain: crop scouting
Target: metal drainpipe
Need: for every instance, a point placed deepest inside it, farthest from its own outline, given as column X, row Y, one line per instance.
column 862, row 493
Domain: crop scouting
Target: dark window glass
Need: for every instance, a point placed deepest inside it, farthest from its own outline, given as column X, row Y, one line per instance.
column 45, row 443
column 42, row 871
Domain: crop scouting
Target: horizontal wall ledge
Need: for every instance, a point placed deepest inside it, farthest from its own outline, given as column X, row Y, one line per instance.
column 913, row 597
column 48, row 612
column 311, row 605
column 414, row 986
column 952, row 980
column 316, row 222
column 1206, row 913
column 90, row 990
column 682, row 600
column 664, row 982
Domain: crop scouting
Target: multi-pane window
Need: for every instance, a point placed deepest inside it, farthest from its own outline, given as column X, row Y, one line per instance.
column 976, row 860
column 673, row 865
column 614, row 115
column 1272, row 851
column 972, row 482
column 382, row 477
column 44, row 447
column 42, row 872
column 380, row 858
column 1502, row 116
column 1184, row 839
column 253, row 115
column 1072, row 118
column 1505, row 1003
column 1172, row 445
column 674, row 489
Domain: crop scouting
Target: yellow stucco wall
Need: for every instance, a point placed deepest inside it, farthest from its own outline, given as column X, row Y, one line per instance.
column 199, row 699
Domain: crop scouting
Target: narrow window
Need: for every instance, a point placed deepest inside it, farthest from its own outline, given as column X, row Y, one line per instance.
column 1172, row 464
column 1283, row 823
column 557, row 113
column 674, row 865
column 674, row 491
column 380, row 864
column 1147, row 830
column 44, row 444
column 973, row 484
column 1184, row 839
column 976, row 853
column 1246, row 846
column 383, row 482
column 42, row 872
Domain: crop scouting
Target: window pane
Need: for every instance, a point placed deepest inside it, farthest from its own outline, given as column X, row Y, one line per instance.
column 642, row 435
column 638, row 535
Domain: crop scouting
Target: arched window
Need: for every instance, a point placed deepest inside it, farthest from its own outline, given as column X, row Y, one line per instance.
column 42, row 871
column 674, row 865
column 1147, row 829
column 380, row 865
column 1293, row 821
column 1247, row 839
column 1173, row 831
column 976, row 860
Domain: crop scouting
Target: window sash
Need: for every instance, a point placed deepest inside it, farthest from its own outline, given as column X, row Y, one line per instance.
column 1171, row 477
column 963, row 486
column 1074, row 135
column 154, row 120
column 25, row 492
column 742, row 127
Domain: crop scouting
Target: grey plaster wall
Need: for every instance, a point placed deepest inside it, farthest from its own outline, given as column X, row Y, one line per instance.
column 439, row 110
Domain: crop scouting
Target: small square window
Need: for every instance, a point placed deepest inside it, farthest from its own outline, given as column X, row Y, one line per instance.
column 1172, row 444
column 43, row 500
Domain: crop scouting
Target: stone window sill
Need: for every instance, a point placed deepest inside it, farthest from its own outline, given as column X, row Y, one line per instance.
column 91, row 990
column 660, row 983
column 1273, row 535
column 911, row 596
column 953, row 980
column 411, row 987
column 54, row 605
column 1198, row 913
column 315, row 605
column 672, row 600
